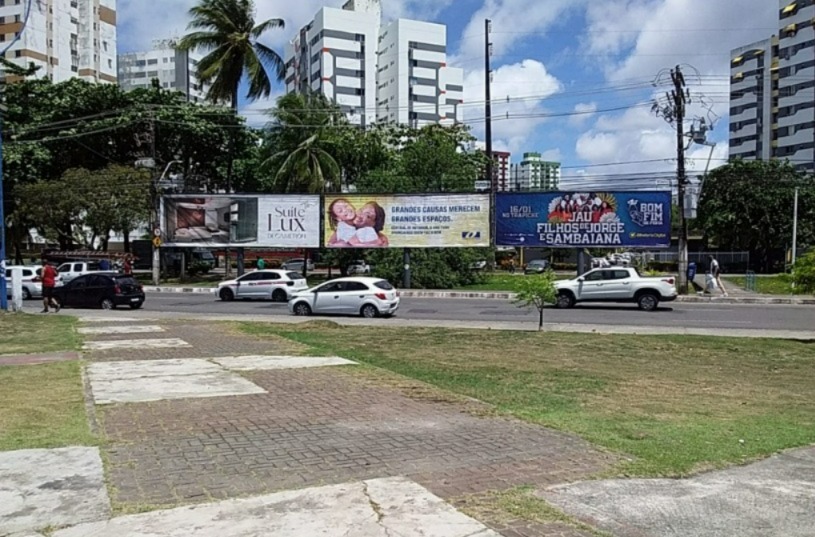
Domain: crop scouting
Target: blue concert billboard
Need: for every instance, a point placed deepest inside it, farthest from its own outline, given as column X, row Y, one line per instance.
column 584, row 219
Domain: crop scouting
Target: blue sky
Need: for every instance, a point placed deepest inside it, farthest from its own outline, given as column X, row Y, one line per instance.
column 552, row 59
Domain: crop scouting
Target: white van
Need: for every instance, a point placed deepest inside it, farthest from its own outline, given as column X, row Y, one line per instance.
column 74, row 269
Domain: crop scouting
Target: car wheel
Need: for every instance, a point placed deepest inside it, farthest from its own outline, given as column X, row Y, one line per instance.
column 226, row 295
column 279, row 295
column 302, row 309
column 564, row 300
column 136, row 306
column 26, row 294
column 369, row 311
column 648, row 301
column 107, row 304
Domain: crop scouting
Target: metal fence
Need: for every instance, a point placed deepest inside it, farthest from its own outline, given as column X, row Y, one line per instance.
column 729, row 262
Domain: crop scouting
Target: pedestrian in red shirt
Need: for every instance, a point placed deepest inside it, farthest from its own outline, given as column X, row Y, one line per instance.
column 49, row 281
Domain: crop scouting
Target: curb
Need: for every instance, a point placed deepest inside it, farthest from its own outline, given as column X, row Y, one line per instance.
column 505, row 295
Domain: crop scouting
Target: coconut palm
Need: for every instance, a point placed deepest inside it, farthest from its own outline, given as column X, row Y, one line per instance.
column 302, row 146
column 227, row 29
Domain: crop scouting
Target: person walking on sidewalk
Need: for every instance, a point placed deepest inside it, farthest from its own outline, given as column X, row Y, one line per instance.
column 716, row 272
column 49, row 281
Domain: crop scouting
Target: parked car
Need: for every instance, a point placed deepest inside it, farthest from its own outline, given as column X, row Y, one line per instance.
column 32, row 284
column 478, row 265
column 104, row 290
column 69, row 271
column 277, row 285
column 369, row 297
column 359, row 266
column 619, row 284
column 536, row 266
column 297, row 265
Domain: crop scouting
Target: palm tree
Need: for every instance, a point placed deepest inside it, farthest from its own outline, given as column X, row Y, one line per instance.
column 302, row 146
column 227, row 29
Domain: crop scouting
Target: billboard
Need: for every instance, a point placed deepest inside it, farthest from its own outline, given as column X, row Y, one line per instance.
column 404, row 221
column 223, row 220
column 584, row 219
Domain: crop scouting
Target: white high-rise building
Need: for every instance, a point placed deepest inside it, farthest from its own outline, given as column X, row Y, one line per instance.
column 534, row 173
column 65, row 38
column 173, row 68
column 392, row 74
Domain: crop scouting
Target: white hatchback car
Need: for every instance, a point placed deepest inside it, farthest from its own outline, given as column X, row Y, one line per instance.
column 369, row 297
column 30, row 274
column 276, row 285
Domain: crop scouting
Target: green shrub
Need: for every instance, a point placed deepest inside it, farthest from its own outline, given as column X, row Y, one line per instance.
column 446, row 268
column 803, row 273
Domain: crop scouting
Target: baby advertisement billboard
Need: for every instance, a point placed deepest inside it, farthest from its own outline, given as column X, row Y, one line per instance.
column 404, row 221
column 584, row 219
column 241, row 221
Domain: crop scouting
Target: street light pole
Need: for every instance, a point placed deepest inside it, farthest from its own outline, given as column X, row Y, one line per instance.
column 3, row 298
column 795, row 228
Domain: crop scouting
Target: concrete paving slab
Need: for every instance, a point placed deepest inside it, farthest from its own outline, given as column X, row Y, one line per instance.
column 51, row 487
column 135, row 369
column 109, row 319
column 252, row 363
column 771, row 498
column 165, row 343
column 114, row 329
column 375, row 508
column 138, row 390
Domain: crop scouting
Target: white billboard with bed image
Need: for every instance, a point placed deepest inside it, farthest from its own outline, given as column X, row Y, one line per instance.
column 238, row 220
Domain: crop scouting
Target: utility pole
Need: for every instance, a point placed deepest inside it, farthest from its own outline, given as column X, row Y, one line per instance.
column 3, row 298
column 795, row 228
column 156, row 202
column 679, row 98
column 488, row 118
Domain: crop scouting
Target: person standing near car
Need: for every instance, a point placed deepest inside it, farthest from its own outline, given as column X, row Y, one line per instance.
column 261, row 264
column 49, row 281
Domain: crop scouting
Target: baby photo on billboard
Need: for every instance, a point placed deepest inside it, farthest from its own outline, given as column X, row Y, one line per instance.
column 356, row 228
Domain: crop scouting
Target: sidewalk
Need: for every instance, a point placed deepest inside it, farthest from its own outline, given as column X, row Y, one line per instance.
column 736, row 295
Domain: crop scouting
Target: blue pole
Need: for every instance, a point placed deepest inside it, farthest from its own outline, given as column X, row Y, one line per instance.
column 3, row 298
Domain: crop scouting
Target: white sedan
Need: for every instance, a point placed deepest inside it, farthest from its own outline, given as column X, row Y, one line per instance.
column 277, row 285
column 369, row 297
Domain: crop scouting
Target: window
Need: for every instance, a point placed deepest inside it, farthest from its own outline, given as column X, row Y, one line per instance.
column 356, row 286
column 110, row 63
column 140, row 63
column 18, row 53
column 152, row 74
column 152, row 61
column 105, row 45
column 595, row 276
column 252, row 277
column 164, row 60
column 382, row 284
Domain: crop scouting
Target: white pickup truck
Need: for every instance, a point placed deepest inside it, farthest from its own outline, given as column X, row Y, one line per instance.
column 617, row 284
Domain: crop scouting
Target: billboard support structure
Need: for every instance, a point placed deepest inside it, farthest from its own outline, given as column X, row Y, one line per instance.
column 406, row 272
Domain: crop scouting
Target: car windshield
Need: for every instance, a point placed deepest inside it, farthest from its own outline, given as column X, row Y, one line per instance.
column 382, row 284
column 537, row 262
column 294, row 275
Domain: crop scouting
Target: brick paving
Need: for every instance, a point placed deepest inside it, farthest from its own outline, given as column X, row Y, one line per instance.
column 207, row 339
column 321, row 426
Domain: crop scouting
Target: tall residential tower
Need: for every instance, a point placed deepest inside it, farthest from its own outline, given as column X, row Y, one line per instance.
column 396, row 73
column 64, row 38
column 174, row 69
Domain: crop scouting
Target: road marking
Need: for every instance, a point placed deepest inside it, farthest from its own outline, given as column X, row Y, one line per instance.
column 89, row 319
column 127, row 329
column 168, row 343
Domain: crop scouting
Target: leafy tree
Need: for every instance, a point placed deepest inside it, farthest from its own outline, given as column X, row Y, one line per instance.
column 748, row 205
column 803, row 273
column 537, row 291
column 301, row 145
column 227, row 29
column 431, row 268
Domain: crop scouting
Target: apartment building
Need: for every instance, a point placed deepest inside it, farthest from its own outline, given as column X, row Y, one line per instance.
column 396, row 73
column 796, row 84
column 174, row 69
column 64, row 38
column 772, row 91
column 535, row 174
column 751, row 100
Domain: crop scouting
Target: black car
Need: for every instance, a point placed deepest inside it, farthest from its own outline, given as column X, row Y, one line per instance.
column 101, row 290
column 537, row 266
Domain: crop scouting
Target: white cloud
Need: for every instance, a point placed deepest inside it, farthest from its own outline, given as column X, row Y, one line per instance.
column 583, row 113
column 518, row 91
column 255, row 112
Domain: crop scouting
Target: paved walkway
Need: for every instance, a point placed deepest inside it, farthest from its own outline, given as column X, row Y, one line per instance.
column 304, row 427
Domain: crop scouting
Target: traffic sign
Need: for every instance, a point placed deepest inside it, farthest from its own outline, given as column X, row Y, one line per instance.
column 157, row 242
column 157, row 232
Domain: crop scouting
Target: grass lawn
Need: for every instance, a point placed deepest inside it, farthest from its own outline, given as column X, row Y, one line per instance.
column 503, row 281
column 42, row 406
column 777, row 284
column 35, row 333
column 676, row 404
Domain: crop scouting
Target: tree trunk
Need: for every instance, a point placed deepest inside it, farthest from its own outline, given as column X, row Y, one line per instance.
column 540, row 319
column 126, row 234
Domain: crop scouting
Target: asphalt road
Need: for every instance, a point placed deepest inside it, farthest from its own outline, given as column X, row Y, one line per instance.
column 732, row 316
